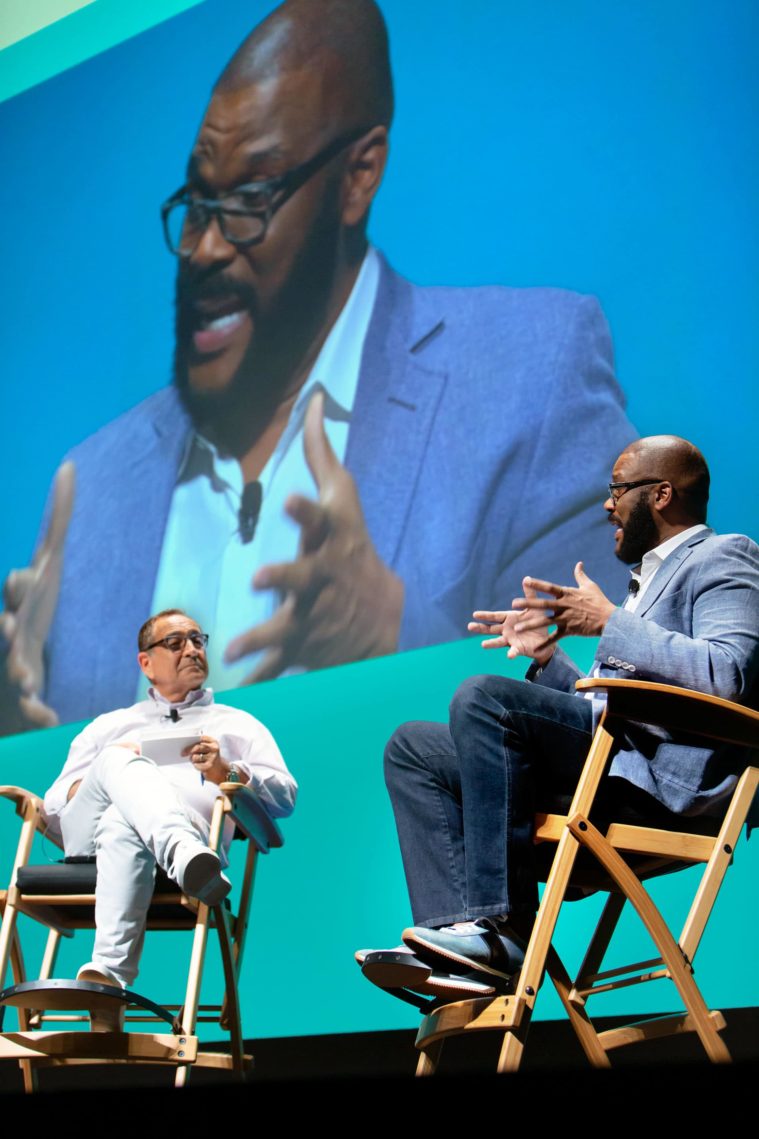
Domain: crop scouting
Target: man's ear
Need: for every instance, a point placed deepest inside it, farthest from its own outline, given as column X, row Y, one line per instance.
column 363, row 175
column 143, row 660
column 663, row 495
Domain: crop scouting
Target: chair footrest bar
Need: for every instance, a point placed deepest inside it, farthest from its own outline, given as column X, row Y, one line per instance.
column 591, row 978
column 499, row 1013
column 579, row 996
column 655, row 1029
column 94, row 1046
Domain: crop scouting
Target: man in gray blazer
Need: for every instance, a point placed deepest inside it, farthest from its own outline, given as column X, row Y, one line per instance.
column 465, row 794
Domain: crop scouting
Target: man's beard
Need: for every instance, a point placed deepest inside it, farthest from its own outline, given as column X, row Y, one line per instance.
column 639, row 533
column 207, row 405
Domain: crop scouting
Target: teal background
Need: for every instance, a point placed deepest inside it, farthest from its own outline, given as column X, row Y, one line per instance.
column 604, row 148
column 337, row 884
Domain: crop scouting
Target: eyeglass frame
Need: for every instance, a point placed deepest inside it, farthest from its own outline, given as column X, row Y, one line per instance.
column 194, row 636
column 613, row 486
column 291, row 181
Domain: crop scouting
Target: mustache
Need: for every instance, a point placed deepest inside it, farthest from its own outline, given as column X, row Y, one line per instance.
column 191, row 289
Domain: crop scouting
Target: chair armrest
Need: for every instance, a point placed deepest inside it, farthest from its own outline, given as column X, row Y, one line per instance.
column 28, row 806
column 677, row 709
column 22, row 798
column 250, row 815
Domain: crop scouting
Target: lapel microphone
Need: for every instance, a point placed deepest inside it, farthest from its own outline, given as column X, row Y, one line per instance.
column 174, row 716
column 250, row 508
column 633, row 586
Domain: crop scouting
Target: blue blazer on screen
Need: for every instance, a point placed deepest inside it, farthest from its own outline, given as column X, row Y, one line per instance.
column 697, row 626
column 485, row 425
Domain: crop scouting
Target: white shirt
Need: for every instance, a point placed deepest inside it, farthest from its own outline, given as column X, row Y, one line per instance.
column 243, row 740
column 204, row 567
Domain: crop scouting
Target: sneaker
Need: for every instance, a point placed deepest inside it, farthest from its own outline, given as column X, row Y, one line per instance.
column 475, row 946
column 99, row 975
column 197, row 871
column 402, row 969
column 109, row 1018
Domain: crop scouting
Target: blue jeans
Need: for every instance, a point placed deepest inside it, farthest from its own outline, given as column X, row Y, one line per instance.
column 464, row 796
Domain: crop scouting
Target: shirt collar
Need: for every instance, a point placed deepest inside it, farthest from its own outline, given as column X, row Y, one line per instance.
column 199, row 696
column 654, row 558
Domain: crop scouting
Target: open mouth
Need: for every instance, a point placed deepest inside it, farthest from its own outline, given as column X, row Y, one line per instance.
column 216, row 322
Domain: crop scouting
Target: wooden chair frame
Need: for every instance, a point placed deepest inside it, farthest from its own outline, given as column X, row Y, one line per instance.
column 34, row 1047
column 677, row 710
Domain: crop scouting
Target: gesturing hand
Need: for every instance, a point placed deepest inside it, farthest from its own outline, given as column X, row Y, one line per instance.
column 579, row 612
column 30, row 596
column 341, row 602
column 527, row 642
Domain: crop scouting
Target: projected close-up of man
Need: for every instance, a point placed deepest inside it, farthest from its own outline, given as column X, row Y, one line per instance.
column 299, row 485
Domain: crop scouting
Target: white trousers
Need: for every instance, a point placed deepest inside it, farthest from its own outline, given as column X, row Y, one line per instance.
column 130, row 817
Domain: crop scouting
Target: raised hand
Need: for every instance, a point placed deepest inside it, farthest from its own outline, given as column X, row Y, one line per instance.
column 30, row 596
column 528, row 641
column 580, row 611
column 341, row 602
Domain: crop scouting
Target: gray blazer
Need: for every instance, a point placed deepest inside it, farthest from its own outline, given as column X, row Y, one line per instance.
column 697, row 626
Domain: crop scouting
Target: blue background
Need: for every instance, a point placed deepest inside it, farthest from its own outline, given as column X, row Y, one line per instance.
column 604, row 148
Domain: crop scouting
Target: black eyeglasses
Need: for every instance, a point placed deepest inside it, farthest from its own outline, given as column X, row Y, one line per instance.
column 617, row 489
column 244, row 213
column 175, row 642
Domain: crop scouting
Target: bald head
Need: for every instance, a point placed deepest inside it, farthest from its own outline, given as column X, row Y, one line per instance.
column 341, row 43
column 680, row 463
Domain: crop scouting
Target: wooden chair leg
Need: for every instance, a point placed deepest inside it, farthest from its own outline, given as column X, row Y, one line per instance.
column 198, row 954
column 25, row 1016
column 578, row 1017
column 679, row 969
column 192, row 995
column 231, row 998
column 716, row 868
column 429, row 1059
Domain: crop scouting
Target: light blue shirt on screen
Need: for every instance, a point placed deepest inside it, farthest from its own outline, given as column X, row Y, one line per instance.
column 205, row 568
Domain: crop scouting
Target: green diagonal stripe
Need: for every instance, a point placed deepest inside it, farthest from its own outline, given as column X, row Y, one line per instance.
column 79, row 36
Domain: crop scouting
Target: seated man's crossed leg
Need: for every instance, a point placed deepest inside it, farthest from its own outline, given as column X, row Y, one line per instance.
column 127, row 814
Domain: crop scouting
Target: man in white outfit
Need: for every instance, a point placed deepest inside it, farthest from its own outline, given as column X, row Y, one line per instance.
column 113, row 801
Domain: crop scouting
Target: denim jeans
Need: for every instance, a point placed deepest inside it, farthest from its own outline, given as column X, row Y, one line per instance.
column 464, row 796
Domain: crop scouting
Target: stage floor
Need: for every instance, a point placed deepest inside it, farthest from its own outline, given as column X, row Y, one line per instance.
column 317, row 1062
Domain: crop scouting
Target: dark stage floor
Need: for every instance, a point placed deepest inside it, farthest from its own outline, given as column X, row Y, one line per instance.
column 373, row 1069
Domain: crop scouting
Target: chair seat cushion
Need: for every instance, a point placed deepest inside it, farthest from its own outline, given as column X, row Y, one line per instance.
column 79, row 877
column 73, row 876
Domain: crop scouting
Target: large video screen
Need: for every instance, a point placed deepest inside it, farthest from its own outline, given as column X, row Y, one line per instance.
column 471, row 403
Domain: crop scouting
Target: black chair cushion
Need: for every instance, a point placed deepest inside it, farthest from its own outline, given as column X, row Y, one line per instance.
column 74, row 876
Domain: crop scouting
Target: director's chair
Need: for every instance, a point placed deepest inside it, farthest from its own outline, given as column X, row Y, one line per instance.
column 621, row 857
column 61, row 896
